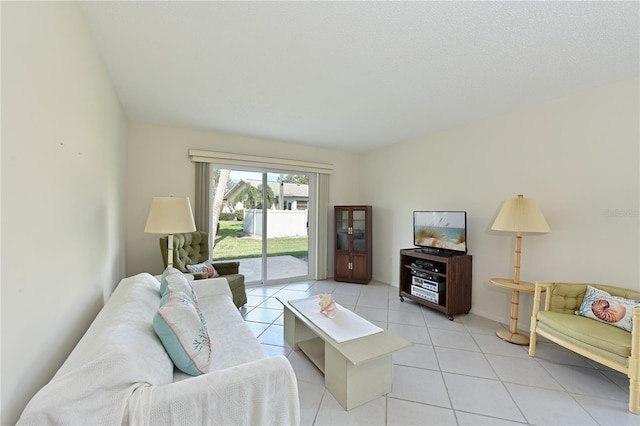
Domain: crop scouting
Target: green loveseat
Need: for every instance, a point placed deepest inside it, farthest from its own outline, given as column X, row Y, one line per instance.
column 601, row 342
column 192, row 248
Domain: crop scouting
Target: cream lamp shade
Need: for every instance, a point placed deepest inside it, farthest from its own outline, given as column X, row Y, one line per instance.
column 170, row 215
column 520, row 215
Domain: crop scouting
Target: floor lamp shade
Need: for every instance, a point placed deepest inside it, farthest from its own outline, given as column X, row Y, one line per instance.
column 520, row 214
column 170, row 215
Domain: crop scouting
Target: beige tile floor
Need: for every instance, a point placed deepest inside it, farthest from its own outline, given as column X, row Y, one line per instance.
column 457, row 373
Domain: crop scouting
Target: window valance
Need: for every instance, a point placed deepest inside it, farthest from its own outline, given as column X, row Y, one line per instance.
column 255, row 161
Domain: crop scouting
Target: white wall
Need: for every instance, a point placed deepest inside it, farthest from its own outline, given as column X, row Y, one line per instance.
column 63, row 192
column 577, row 157
column 159, row 165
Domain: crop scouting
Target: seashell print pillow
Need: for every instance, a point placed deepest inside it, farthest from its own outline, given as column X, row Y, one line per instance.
column 206, row 267
column 601, row 306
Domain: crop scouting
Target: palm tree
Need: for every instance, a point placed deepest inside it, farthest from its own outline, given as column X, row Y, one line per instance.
column 271, row 198
column 221, row 178
column 248, row 196
column 251, row 197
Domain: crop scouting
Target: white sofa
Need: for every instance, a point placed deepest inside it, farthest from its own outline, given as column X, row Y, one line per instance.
column 120, row 373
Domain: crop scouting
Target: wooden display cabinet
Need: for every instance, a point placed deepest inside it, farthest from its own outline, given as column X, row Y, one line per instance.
column 353, row 244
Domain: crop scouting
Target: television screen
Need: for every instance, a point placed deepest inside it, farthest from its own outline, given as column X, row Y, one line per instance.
column 440, row 231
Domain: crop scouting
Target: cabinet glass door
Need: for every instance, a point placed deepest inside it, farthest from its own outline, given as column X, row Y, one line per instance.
column 359, row 227
column 342, row 222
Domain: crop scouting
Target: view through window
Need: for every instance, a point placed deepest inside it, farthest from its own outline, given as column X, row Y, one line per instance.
column 261, row 219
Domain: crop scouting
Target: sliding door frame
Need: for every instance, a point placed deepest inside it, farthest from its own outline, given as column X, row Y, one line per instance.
column 318, row 196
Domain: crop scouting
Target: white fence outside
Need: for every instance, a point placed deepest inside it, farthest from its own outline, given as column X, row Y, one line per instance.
column 280, row 223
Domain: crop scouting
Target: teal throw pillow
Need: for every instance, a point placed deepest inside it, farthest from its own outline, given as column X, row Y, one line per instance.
column 178, row 282
column 181, row 328
column 170, row 270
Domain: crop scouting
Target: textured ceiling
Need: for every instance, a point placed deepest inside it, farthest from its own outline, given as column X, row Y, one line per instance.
column 355, row 75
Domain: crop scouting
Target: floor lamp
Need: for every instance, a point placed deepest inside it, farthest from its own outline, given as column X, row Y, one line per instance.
column 168, row 216
column 517, row 215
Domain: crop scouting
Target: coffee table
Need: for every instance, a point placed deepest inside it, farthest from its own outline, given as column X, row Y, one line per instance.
column 355, row 371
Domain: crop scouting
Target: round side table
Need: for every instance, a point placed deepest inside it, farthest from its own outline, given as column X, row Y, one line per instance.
column 512, row 335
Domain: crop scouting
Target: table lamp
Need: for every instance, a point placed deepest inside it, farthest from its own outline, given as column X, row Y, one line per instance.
column 170, row 215
column 517, row 215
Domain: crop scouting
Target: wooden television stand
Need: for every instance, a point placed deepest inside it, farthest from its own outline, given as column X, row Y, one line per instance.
column 438, row 281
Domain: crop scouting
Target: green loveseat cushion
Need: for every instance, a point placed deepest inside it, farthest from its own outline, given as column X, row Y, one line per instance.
column 588, row 334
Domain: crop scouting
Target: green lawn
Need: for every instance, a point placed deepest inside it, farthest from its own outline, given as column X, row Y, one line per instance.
column 230, row 245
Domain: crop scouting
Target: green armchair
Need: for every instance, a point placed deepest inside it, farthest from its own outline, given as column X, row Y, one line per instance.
column 192, row 248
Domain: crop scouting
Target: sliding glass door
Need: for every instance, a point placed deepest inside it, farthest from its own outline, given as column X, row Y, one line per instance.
column 263, row 220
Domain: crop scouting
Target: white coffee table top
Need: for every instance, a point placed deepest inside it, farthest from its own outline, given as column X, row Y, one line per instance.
column 345, row 326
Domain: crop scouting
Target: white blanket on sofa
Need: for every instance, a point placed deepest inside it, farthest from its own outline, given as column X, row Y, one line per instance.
column 95, row 383
column 119, row 373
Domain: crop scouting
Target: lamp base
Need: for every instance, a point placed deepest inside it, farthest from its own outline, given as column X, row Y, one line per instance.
column 515, row 338
column 170, row 251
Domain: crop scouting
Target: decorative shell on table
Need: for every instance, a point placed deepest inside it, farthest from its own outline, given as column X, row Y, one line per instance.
column 327, row 305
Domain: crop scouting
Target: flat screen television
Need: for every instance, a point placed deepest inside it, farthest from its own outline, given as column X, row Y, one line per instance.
column 443, row 232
